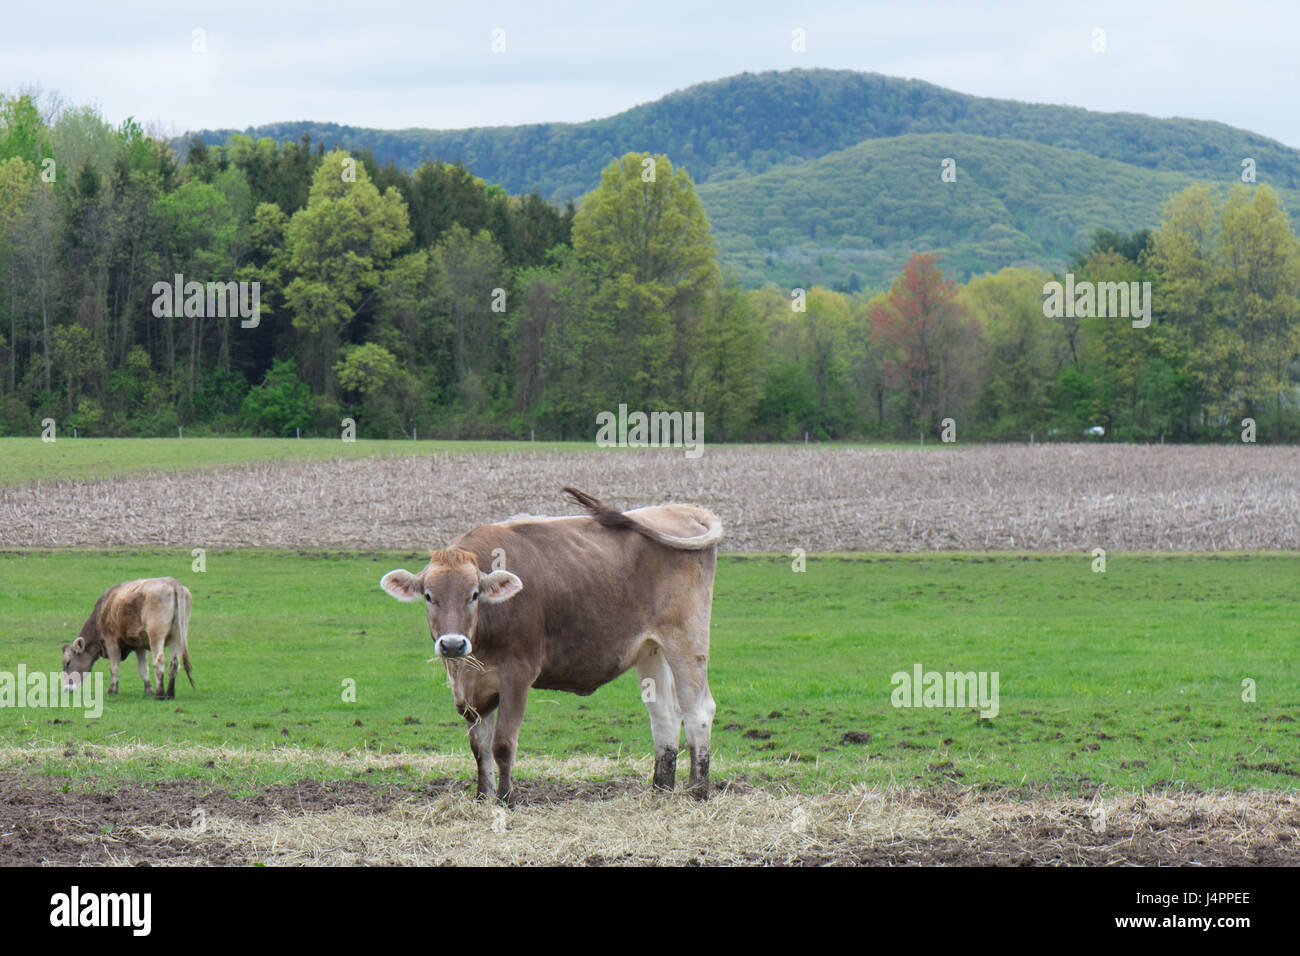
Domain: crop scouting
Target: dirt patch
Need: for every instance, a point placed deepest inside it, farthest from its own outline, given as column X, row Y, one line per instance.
column 970, row 498
column 41, row 823
column 621, row 822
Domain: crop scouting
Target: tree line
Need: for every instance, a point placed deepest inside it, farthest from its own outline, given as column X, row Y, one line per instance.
column 433, row 301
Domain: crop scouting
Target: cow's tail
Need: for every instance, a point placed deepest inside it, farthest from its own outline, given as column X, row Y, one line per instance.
column 184, row 602
column 613, row 518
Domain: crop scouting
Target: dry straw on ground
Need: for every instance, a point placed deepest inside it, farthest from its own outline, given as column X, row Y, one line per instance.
column 853, row 826
column 623, row 823
column 771, row 499
column 584, row 811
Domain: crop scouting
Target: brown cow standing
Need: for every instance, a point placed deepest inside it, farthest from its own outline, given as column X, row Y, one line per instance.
column 145, row 616
column 577, row 602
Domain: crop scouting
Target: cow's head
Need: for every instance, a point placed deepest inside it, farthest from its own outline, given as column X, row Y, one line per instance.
column 78, row 659
column 452, row 588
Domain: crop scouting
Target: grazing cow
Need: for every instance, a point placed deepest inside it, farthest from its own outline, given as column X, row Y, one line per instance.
column 574, row 603
column 145, row 616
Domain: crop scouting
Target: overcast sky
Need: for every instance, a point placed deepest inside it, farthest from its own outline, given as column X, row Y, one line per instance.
column 393, row 64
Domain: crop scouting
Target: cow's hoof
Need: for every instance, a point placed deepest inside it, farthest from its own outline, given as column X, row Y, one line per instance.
column 665, row 777
column 166, row 696
column 112, row 690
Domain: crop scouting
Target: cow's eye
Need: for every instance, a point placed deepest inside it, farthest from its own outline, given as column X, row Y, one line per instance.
column 429, row 597
column 473, row 597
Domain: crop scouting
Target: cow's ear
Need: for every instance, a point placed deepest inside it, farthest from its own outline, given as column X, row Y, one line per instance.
column 498, row 586
column 403, row 585
column 79, row 645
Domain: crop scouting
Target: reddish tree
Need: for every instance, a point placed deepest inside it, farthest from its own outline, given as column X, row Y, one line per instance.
column 930, row 346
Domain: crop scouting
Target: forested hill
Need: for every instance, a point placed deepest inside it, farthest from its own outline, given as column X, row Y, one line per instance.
column 747, row 124
column 852, row 218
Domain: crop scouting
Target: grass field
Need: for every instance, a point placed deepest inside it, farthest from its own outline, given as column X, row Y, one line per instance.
column 1123, row 680
column 30, row 459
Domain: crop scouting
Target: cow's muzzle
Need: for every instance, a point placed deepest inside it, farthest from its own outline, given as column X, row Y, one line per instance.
column 452, row 645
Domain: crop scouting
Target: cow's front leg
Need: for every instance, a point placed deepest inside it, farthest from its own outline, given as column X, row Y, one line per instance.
column 114, row 665
column 480, row 741
column 142, row 667
column 505, row 738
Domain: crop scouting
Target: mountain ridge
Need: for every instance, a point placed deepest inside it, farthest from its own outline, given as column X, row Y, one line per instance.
column 562, row 160
column 863, row 210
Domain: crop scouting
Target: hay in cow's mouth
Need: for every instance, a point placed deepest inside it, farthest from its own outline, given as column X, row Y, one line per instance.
column 469, row 659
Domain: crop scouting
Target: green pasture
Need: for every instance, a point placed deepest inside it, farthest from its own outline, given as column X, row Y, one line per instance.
column 30, row 459
column 1127, row 679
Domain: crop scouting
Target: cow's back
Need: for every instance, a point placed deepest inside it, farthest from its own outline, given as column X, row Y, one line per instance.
column 590, row 595
column 128, row 608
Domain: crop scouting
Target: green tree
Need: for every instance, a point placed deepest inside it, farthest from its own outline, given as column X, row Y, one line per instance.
column 474, row 278
column 1188, row 297
column 372, row 374
column 728, row 380
column 644, row 231
column 281, row 404
column 80, row 362
column 1023, row 350
column 338, row 248
column 558, row 335
column 1260, row 257
column 202, row 229
column 366, row 369
column 17, row 177
column 22, row 132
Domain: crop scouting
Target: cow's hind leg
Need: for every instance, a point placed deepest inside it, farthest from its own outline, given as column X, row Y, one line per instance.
column 142, row 668
column 171, row 672
column 691, row 681
column 158, row 656
column 176, row 640
column 660, row 698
